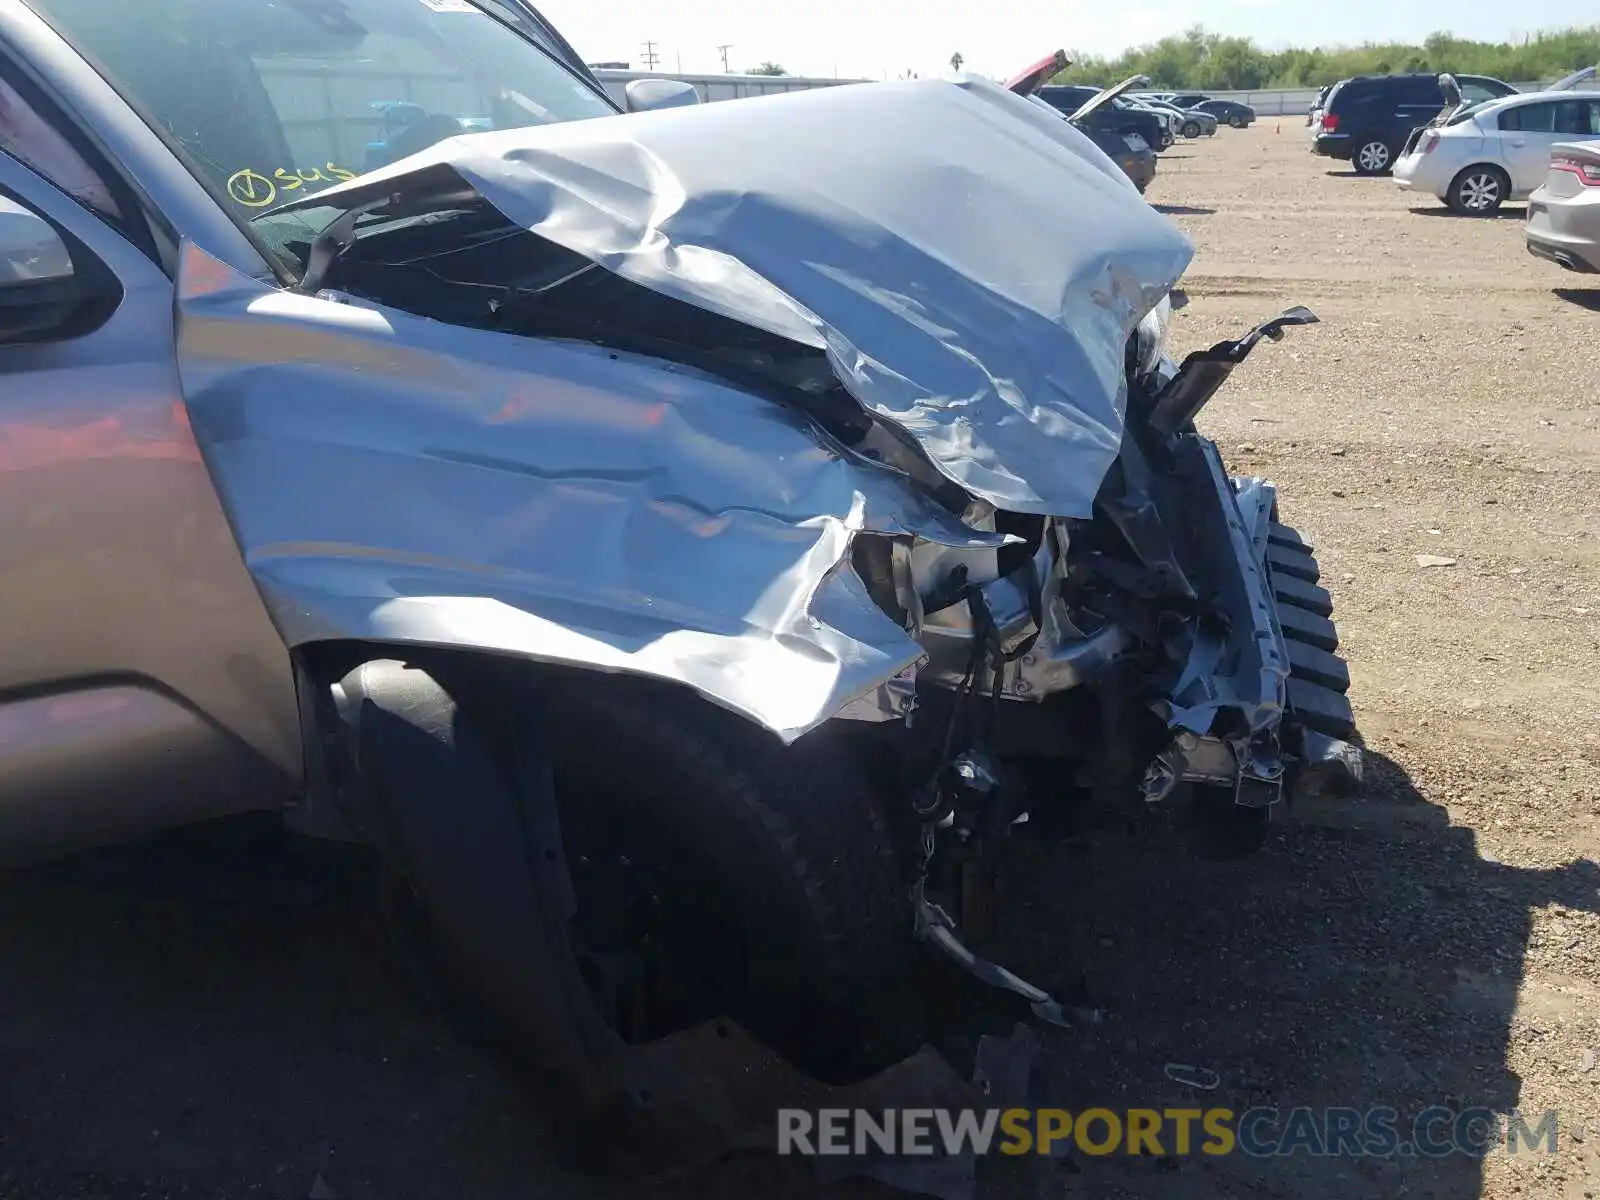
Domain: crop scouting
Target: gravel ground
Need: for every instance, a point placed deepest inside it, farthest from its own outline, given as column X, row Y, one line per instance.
column 213, row 1017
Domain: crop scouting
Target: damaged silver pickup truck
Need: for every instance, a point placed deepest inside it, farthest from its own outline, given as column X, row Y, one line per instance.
column 678, row 541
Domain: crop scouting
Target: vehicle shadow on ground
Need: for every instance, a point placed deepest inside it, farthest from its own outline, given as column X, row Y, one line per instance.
column 1353, row 175
column 1506, row 213
column 215, row 1013
column 1368, row 956
column 1184, row 210
column 1583, row 297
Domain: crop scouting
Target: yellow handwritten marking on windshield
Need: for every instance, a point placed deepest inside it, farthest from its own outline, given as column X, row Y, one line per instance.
column 252, row 190
column 255, row 190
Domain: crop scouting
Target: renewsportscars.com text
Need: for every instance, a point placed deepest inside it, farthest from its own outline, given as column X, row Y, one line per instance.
column 1258, row 1132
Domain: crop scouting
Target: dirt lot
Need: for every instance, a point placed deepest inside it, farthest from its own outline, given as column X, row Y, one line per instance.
column 213, row 1018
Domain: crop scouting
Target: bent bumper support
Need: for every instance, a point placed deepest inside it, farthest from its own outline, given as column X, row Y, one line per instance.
column 936, row 927
column 1229, row 701
column 1260, row 705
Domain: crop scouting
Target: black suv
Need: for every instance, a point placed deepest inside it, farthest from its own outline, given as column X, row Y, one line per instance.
column 1367, row 119
column 1114, row 117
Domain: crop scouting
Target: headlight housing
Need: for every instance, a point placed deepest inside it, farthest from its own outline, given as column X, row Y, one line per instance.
column 1152, row 337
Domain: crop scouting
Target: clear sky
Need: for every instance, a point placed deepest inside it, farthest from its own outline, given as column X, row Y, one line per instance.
column 871, row 38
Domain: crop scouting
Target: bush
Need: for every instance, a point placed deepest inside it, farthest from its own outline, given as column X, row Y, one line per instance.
column 1199, row 60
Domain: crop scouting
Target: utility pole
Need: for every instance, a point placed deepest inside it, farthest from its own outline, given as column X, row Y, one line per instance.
column 723, row 50
column 650, row 57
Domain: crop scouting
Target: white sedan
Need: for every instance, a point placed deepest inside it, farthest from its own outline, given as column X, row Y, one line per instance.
column 1480, row 157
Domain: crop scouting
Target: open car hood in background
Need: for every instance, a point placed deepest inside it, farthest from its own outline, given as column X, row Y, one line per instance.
column 967, row 264
column 1453, row 100
column 1041, row 73
column 1100, row 99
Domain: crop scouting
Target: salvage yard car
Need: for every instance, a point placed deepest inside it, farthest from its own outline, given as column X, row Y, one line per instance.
column 1192, row 122
column 1112, row 111
column 1563, row 222
column 1135, row 156
column 1475, row 157
column 1367, row 119
column 1240, row 116
column 679, row 561
column 1129, row 151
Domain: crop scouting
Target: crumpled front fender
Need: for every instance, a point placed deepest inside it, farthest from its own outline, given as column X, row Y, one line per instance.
column 396, row 479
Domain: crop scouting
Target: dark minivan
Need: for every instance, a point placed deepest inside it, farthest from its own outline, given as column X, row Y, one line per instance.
column 1366, row 119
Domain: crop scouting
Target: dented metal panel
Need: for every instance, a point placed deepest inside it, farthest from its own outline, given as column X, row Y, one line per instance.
column 967, row 262
column 394, row 478
column 967, row 266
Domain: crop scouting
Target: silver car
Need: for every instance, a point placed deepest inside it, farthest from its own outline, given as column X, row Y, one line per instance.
column 1190, row 122
column 1563, row 222
column 681, row 543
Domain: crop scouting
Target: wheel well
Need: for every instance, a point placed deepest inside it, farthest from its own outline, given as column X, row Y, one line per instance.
column 1476, row 168
column 1480, row 166
column 330, row 808
column 448, row 759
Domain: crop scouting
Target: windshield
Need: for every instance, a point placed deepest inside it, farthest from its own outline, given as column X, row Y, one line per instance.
column 274, row 100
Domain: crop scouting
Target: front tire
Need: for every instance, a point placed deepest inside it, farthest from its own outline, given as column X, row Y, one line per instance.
column 1478, row 191
column 780, row 853
column 598, row 868
column 1237, row 121
column 1191, row 129
column 1373, row 156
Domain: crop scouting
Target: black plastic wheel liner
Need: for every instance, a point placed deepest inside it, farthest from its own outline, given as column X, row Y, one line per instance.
column 454, row 782
column 468, row 815
column 462, row 826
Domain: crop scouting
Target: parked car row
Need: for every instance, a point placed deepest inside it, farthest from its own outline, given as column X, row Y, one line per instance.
column 1132, row 128
column 1189, row 115
column 1131, row 148
column 1188, row 122
column 1114, row 114
column 1476, row 142
column 1225, row 112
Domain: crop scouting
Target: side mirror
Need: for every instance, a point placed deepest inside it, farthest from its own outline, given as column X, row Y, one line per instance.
column 647, row 95
column 40, row 293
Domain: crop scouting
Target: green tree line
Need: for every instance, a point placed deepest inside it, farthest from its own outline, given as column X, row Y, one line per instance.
column 1200, row 60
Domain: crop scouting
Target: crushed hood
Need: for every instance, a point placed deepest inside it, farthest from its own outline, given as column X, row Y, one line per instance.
column 966, row 263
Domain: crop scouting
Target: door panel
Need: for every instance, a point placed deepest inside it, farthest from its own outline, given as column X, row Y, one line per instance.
column 1526, row 134
column 116, row 562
